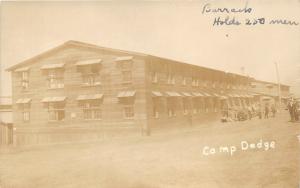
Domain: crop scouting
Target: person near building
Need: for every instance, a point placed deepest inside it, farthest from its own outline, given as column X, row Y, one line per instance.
column 259, row 111
column 249, row 109
column 266, row 110
column 296, row 110
column 291, row 110
column 273, row 110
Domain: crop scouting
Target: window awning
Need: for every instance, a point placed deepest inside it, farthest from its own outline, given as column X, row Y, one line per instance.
column 24, row 69
column 214, row 94
column 124, row 58
column 88, row 62
column 54, row 99
column 223, row 97
column 186, row 94
column 53, row 66
column 233, row 95
column 205, row 94
column 172, row 94
column 157, row 94
column 126, row 94
column 89, row 97
column 196, row 94
column 246, row 96
column 23, row 101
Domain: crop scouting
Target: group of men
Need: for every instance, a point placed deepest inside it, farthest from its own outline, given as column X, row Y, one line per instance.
column 254, row 110
column 293, row 107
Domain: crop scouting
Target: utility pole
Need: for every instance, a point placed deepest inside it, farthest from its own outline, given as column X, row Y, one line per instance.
column 278, row 82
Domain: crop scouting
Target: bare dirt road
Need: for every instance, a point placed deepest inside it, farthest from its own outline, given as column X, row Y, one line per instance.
column 165, row 160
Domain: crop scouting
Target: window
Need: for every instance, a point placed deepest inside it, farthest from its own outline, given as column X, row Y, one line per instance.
column 156, row 104
column 215, row 105
column 56, row 111
column 171, row 112
column 195, row 82
column 195, row 111
column 154, row 77
column 92, row 109
column 214, row 84
column 171, row 79
column 126, row 65
column 200, row 106
column 172, row 103
column 155, row 112
column 26, row 116
column 55, row 79
column 24, row 79
column 90, row 74
column 127, row 76
column 184, row 81
column 205, row 83
column 185, row 107
column 24, row 107
column 206, row 105
column 25, row 112
column 91, row 79
column 236, row 102
column 128, row 111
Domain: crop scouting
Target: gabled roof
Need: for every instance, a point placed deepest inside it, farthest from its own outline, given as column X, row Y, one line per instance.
column 66, row 44
column 92, row 46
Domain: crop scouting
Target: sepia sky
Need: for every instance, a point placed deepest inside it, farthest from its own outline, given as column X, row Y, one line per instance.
column 176, row 30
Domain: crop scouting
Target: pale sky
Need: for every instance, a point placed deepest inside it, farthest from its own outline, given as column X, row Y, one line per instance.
column 175, row 30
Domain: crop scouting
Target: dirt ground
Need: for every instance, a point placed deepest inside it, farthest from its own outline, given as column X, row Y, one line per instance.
column 163, row 160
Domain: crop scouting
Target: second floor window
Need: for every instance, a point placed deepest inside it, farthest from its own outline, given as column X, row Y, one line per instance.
column 195, row 82
column 126, row 76
column 170, row 79
column 91, row 79
column 55, row 79
column 154, row 77
column 184, row 81
column 24, row 79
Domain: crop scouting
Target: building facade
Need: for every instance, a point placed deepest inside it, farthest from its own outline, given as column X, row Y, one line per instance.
column 268, row 92
column 6, row 127
column 79, row 91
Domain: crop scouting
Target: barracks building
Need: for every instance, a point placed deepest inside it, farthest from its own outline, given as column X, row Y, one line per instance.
column 79, row 91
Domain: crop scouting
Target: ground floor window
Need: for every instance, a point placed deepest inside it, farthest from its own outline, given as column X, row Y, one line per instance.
column 155, row 112
column 128, row 111
column 200, row 105
column 26, row 116
column 156, row 105
column 56, row 111
column 215, row 105
column 237, row 102
column 206, row 105
column 171, row 112
column 185, row 107
column 171, row 106
column 91, row 109
column 24, row 107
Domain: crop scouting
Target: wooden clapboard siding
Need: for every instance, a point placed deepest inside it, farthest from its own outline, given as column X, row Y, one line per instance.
column 112, row 84
column 40, row 130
